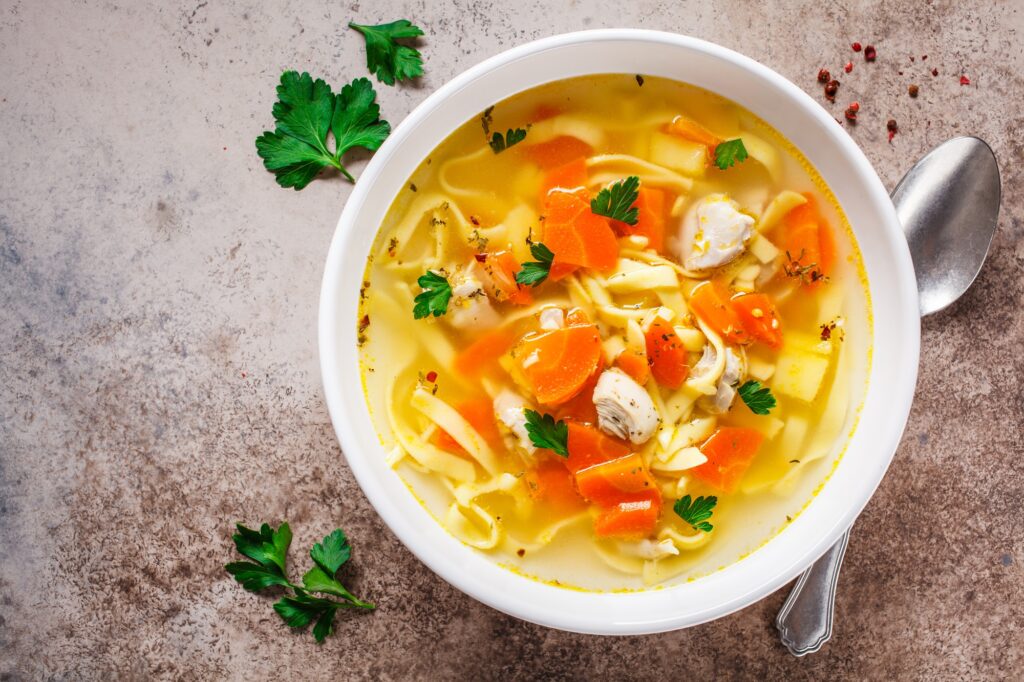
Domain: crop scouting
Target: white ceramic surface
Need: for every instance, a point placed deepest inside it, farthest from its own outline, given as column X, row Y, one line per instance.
column 892, row 287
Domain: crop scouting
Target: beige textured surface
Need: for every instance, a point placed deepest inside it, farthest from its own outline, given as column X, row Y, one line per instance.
column 159, row 374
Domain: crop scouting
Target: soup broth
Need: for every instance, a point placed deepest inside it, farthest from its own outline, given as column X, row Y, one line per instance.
column 623, row 350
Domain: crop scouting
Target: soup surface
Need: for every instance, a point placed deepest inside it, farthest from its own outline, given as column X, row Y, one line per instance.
column 614, row 332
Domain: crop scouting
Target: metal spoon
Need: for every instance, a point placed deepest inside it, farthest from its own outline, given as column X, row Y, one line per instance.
column 948, row 205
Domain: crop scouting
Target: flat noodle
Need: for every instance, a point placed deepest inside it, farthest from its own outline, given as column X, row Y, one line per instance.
column 544, row 536
column 448, row 418
column 608, row 168
column 653, row 258
column 478, row 529
column 472, row 159
column 708, row 382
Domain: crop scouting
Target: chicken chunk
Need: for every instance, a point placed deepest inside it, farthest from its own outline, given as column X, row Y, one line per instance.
column 510, row 409
column 714, row 233
column 726, row 390
column 470, row 308
column 624, row 409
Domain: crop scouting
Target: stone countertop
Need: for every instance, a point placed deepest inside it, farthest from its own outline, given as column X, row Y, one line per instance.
column 159, row 360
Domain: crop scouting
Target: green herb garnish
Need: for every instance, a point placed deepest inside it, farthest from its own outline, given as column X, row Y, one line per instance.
column 533, row 273
column 268, row 549
column 385, row 56
column 616, row 202
column 696, row 512
column 545, row 432
column 757, row 397
column 435, row 296
column 500, row 143
column 305, row 112
column 730, row 152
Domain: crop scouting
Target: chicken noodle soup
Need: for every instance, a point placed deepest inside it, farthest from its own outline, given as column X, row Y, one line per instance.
column 614, row 332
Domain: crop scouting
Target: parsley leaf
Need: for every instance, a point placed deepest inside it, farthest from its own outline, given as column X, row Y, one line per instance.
column 387, row 58
column 435, row 295
column 533, row 273
column 269, row 549
column 616, row 202
column 511, row 138
column 730, row 152
column 757, row 397
column 545, row 432
column 696, row 512
column 306, row 110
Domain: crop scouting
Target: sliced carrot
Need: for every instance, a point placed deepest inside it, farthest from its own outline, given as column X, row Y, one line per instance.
column 688, row 129
column 614, row 481
column 650, row 204
column 544, row 111
column 808, row 241
column 481, row 356
column 569, row 176
column 759, row 318
column 710, row 302
column 666, row 355
column 636, row 365
column 827, row 248
column 558, row 152
column 581, row 406
column 588, row 446
column 558, row 363
column 479, row 412
column 551, row 484
column 501, row 268
column 576, row 236
column 576, row 316
column 631, row 519
column 730, row 451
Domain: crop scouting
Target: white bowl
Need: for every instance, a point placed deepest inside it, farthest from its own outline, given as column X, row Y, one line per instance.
column 896, row 333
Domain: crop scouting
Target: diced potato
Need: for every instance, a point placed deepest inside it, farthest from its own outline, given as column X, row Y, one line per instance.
column 673, row 299
column 806, row 342
column 689, row 158
column 798, row 373
column 760, row 369
column 693, row 339
column 793, row 435
column 764, row 153
column 612, row 346
column 518, row 223
column 766, row 424
column 762, row 249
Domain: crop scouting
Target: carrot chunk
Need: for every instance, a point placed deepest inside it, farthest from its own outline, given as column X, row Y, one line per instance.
column 581, row 406
column 688, row 129
column 631, row 519
column 710, row 302
column 551, row 484
column 809, row 242
column 650, row 204
column 501, row 268
column 759, row 318
column 666, row 355
column 588, row 446
column 557, row 364
column 558, row 152
column 479, row 412
column 576, row 236
column 636, row 365
column 730, row 451
column 569, row 176
column 614, row 481
column 481, row 356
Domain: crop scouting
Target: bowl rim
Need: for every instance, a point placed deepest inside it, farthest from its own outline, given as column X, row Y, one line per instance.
column 588, row 612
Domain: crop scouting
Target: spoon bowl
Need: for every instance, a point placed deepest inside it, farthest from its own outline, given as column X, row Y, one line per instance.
column 948, row 204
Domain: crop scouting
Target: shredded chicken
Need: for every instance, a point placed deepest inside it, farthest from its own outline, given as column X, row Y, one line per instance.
column 730, row 378
column 624, row 409
column 510, row 409
column 714, row 233
column 470, row 308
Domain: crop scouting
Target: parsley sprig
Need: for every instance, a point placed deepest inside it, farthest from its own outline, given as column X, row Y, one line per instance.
column 433, row 300
column 305, row 111
column 729, row 153
column 696, row 512
column 500, row 143
column 616, row 202
column 545, row 432
column 388, row 59
column 534, row 272
column 268, row 549
column 757, row 397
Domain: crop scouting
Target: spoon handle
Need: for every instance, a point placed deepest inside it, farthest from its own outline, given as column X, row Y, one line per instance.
column 805, row 620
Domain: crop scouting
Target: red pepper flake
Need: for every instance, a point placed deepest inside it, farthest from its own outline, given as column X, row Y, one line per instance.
column 480, row 257
column 912, row 58
column 364, row 323
column 924, row 57
column 473, row 219
column 856, row 47
column 913, row 90
column 890, row 125
column 849, row 67
column 870, row 53
column 964, row 80
column 830, row 90
column 824, row 76
column 243, row 375
column 431, row 376
column 935, row 72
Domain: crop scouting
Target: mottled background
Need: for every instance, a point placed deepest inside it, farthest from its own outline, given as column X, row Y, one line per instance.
column 158, row 361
